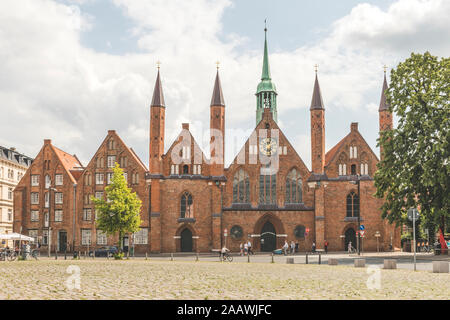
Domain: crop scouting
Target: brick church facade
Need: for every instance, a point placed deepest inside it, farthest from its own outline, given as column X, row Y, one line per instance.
column 193, row 203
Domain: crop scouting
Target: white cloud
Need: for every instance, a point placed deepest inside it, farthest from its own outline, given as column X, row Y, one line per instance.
column 51, row 86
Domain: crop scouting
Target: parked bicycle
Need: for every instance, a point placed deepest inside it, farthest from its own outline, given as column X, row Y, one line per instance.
column 11, row 255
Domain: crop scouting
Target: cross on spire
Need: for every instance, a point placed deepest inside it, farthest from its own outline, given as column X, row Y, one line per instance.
column 217, row 64
column 158, row 64
column 385, row 68
column 316, row 67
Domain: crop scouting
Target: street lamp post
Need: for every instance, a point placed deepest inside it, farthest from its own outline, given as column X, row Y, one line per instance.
column 50, row 189
column 357, row 182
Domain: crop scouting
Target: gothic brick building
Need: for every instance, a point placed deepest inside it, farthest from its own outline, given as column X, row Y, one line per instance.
column 192, row 202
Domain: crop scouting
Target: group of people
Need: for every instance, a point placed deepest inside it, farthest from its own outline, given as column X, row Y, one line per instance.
column 245, row 248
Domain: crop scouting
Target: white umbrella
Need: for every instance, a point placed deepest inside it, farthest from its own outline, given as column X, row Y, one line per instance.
column 15, row 236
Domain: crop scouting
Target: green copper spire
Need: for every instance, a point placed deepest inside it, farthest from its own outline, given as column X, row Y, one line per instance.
column 266, row 92
column 266, row 70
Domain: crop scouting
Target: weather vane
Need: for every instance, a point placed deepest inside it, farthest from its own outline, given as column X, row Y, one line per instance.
column 158, row 64
column 217, row 64
column 384, row 67
column 316, row 67
column 265, row 24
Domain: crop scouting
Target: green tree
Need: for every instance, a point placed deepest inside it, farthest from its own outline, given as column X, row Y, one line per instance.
column 415, row 170
column 120, row 212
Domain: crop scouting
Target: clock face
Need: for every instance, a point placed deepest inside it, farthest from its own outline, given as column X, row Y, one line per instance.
column 268, row 146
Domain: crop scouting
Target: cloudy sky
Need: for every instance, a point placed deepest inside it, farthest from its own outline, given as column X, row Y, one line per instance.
column 72, row 69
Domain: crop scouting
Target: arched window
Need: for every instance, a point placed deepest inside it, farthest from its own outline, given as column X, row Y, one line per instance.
column 185, row 169
column 267, row 188
column 352, row 205
column 241, row 187
column 300, row 231
column 353, row 169
column 293, row 187
column 48, row 181
column 186, row 206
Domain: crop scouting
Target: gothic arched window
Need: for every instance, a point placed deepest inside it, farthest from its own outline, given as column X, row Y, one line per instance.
column 352, row 205
column 186, row 206
column 268, row 188
column 293, row 187
column 241, row 187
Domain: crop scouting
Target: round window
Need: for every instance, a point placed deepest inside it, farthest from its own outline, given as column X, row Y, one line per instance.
column 236, row 232
column 299, row 232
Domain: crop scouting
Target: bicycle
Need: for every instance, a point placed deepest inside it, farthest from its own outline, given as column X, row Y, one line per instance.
column 226, row 256
column 11, row 255
column 351, row 250
column 35, row 253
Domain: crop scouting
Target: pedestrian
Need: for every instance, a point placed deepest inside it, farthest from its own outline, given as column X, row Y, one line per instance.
column 349, row 247
column 285, row 247
column 296, row 246
column 241, row 249
column 245, row 248
column 326, row 246
column 292, row 247
column 313, row 249
column 249, row 246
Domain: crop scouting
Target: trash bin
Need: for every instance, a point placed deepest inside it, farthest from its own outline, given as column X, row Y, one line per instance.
column 437, row 249
column 75, row 254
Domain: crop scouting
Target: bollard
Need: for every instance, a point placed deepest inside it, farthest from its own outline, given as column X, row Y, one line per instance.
column 56, row 255
column 93, row 255
column 320, row 260
column 390, row 264
column 306, row 258
column 65, row 254
column 146, row 256
column 248, row 258
column 272, row 258
column 333, row 262
column 196, row 257
column 79, row 255
column 360, row 263
column 171, row 257
column 440, row 267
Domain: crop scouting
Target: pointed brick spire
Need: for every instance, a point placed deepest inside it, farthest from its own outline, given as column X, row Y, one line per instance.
column 158, row 97
column 217, row 97
column 316, row 102
column 383, row 104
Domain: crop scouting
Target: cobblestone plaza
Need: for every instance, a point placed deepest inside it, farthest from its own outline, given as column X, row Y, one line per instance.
column 183, row 279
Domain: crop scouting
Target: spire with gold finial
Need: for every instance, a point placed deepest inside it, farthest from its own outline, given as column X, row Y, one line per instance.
column 158, row 97
column 217, row 97
column 317, row 102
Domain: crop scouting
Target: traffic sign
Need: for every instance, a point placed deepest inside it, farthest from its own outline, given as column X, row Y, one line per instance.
column 225, row 232
column 362, row 233
column 361, row 227
column 307, row 230
column 413, row 213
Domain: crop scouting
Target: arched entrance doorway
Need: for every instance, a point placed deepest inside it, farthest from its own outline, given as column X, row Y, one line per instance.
column 268, row 237
column 350, row 235
column 186, row 241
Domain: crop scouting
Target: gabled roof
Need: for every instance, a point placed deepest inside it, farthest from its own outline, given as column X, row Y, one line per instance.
column 185, row 126
column 331, row 154
column 68, row 161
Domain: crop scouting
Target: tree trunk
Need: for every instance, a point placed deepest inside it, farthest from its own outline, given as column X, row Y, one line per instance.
column 120, row 246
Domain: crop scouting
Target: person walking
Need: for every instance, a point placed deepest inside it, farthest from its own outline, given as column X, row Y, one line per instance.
column 349, row 247
column 292, row 247
column 245, row 249
column 313, row 249
column 241, row 249
column 285, row 247
column 326, row 246
column 249, row 245
column 296, row 246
